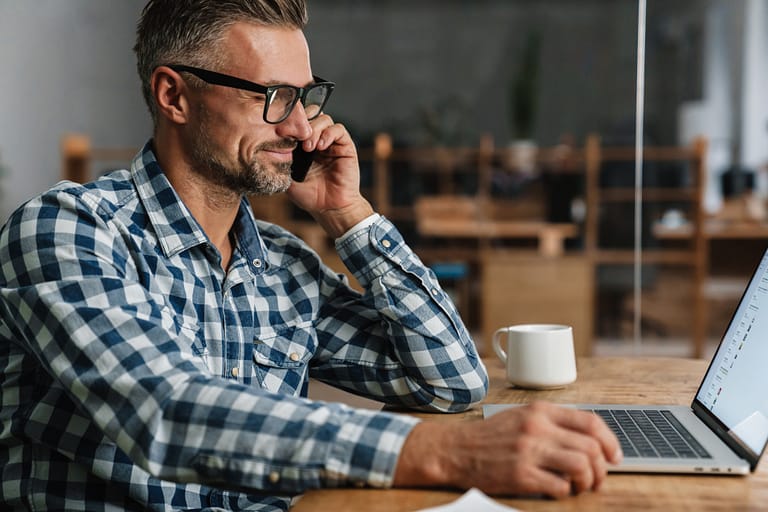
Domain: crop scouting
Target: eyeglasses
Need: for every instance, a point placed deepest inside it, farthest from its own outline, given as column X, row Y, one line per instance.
column 280, row 98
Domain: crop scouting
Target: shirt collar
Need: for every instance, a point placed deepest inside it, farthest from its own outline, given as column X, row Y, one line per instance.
column 176, row 228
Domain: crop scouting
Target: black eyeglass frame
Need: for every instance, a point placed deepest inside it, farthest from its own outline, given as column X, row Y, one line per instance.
column 215, row 78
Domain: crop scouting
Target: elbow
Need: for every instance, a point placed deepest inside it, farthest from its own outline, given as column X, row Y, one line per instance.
column 464, row 392
column 472, row 394
column 475, row 386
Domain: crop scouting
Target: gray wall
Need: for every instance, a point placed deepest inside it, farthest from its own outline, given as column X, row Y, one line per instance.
column 67, row 65
column 458, row 57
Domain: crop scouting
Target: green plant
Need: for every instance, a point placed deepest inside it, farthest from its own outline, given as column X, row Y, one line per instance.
column 523, row 89
column 444, row 123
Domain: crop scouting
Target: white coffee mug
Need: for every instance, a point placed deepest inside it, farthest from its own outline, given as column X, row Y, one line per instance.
column 538, row 356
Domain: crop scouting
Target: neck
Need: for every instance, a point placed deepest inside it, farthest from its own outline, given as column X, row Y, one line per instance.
column 213, row 206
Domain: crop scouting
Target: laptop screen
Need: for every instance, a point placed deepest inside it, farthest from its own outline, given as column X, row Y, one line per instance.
column 734, row 387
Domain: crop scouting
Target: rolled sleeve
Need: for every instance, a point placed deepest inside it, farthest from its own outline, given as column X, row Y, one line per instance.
column 416, row 352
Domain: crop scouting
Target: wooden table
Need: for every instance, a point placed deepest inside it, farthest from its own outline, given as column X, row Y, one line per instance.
column 600, row 380
column 551, row 236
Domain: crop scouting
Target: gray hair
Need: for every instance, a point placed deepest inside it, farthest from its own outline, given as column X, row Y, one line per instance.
column 189, row 31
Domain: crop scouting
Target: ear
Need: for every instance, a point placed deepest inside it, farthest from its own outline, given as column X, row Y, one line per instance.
column 171, row 95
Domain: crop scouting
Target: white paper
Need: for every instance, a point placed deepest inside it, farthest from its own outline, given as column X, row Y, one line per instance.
column 473, row 500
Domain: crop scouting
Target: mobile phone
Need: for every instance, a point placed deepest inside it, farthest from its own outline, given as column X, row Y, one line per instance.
column 302, row 160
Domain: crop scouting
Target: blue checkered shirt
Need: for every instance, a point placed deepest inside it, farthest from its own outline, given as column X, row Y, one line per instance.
column 138, row 375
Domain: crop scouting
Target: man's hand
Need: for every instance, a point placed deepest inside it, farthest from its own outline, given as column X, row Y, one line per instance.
column 331, row 191
column 535, row 449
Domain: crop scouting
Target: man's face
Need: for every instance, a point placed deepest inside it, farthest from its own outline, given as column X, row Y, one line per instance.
column 228, row 141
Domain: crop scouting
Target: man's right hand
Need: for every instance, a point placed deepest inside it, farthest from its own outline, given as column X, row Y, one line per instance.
column 534, row 449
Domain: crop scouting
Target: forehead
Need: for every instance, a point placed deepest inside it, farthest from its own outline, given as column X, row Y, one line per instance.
column 267, row 54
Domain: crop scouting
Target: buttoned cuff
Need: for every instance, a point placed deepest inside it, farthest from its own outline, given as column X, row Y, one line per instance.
column 360, row 226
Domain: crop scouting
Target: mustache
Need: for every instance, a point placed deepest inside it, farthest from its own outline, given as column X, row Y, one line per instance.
column 279, row 144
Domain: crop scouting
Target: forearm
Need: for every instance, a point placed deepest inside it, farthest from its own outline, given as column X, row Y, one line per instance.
column 410, row 346
column 338, row 221
column 179, row 423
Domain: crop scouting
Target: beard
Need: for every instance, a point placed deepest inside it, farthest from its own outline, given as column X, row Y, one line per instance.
column 244, row 177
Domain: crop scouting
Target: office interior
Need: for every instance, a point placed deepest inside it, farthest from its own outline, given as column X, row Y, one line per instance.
column 500, row 137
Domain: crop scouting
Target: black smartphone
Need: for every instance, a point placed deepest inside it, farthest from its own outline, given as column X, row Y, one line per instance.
column 302, row 160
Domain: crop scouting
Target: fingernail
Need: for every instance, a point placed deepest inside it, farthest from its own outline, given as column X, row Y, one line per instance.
column 618, row 456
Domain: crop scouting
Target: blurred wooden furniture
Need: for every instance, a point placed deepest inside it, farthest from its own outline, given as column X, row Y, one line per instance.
column 478, row 220
column 600, row 380
column 522, row 287
column 460, row 217
column 722, row 285
column 459, row 174
column 78, row 158
column 691, row 254
column 490, row 233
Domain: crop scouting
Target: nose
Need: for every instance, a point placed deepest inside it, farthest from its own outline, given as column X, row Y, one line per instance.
column 296, row 125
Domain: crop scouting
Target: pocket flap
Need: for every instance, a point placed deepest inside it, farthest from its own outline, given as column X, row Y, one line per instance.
column 291, row 347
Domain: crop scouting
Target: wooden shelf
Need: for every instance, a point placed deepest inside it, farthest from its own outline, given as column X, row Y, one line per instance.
column 648, row 256
column 689, row 250
column 648, row 194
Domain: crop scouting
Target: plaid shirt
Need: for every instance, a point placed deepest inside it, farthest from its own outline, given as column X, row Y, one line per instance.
column 136, row 374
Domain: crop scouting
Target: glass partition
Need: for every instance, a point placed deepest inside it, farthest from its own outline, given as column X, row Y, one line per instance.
column 529, row 110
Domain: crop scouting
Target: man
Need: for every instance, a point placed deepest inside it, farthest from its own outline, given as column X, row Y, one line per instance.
column 156, row 340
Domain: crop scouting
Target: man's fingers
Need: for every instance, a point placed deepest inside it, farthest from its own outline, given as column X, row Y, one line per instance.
column 584, row 472
column 593, row 426
column 548, row 483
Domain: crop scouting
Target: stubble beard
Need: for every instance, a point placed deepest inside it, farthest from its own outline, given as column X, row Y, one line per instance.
column 246, row 177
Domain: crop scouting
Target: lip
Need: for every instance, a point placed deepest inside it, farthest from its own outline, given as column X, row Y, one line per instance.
column 283, row 155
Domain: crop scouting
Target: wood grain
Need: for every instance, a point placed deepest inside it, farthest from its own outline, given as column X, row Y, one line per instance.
column 601, row 380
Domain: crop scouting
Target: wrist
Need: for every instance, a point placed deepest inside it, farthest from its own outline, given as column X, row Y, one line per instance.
column 424, row 461
column 336, row 222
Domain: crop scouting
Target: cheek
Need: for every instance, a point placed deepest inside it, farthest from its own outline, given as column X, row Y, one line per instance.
column 250, row 142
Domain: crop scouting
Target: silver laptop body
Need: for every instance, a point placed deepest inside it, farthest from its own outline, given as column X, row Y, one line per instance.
column 728, row 417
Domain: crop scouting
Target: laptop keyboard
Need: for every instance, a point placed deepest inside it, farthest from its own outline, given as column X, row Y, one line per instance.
column 652, row 433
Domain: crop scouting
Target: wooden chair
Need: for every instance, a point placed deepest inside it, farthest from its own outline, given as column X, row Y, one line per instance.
column 692, row 254
column 78, row 157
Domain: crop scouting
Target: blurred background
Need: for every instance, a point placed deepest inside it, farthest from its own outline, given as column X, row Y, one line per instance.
column 497, row 134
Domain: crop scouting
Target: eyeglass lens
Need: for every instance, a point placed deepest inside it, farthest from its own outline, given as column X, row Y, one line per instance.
column 284, row 98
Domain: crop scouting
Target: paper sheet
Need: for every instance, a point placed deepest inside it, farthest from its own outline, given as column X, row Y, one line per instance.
column 473, row 500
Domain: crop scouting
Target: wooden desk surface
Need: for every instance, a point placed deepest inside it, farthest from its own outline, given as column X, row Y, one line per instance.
column 551, row 236
column 715, row 229
column 600, row 380
column 486, row 228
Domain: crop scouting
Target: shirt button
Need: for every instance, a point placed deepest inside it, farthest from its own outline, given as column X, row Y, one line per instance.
column 386, row 243
column 294, row 357
column 256, row 263
column 235, row 372
column 435, row 292
column 274, row 477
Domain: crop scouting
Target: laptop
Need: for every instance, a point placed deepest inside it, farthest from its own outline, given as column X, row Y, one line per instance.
column 725, row 429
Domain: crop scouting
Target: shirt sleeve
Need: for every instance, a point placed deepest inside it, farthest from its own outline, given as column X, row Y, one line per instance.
column 402, row 341
column 122, row 373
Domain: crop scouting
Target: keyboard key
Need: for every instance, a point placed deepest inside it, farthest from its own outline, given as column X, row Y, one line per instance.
column 651, row 433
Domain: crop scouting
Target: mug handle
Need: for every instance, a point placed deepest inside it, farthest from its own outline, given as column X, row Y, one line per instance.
column 497, row 345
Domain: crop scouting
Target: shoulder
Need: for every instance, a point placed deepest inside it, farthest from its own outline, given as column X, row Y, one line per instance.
column 100, row 198
column 70, row 208
column 106, row 195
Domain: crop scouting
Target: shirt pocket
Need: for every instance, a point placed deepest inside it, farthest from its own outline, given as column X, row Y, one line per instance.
column 188, row 336
column 281, row 358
